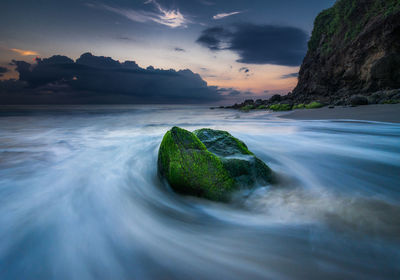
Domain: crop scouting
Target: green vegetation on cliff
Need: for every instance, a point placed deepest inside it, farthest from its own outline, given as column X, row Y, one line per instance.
column 343, row 19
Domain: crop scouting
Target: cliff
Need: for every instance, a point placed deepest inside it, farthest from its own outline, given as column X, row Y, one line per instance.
column 354, row 49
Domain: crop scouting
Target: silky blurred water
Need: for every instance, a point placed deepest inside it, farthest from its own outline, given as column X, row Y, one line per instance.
column 80, row 198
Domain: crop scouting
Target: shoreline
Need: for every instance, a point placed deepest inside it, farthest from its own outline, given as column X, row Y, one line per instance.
column 375, row 112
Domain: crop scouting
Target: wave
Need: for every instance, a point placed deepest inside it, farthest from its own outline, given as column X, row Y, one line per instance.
column 80, row 199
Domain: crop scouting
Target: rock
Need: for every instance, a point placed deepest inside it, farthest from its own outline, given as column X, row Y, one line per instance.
column 248, row 102
column 262, row 107
column 299, row 106
column 354, row 48
column 280, row 107
column 314, row 105
column 236, row 106
column 247, row 108
column 258, row 102
column 374, row 98
column 396, row 97
column 245, row 168
column 356, row 100
column 209, row 163
column 190, row 168
column 391, row 101
column 340, row 102
column 275, row 98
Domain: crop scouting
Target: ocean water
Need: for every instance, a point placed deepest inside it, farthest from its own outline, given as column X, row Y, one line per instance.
column 80, row 198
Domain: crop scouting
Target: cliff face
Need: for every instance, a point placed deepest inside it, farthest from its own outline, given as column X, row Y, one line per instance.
column 354, row 48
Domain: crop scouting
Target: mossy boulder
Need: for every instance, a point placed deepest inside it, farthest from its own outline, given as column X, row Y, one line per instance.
column 209, row 163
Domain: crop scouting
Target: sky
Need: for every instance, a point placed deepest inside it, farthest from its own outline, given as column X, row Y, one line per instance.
column 189, row 51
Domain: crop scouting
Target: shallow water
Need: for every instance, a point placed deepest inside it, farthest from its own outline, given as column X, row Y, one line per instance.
column 80, row 198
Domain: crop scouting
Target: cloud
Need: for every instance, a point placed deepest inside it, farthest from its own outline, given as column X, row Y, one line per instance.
column 101, row 80
column 233, row 92
column 215, row 38
column 244, row 69
column 258, row 44
column 207, row 3
column 24, row 52
column 177, row 49
column 125, row 38
column 171, row 18
column 3, row 70
column 224, row 15
column 290, row 75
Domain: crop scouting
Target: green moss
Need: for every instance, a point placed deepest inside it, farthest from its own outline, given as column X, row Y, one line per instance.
column 299, row 106
column 209, row 163
column 391, row 101
column 314, row 105
column 347, row 19
column 262, row 107
column 221, row 143
column 280, row 107
column 190, row 168
column 247, row 108
column 241, row 164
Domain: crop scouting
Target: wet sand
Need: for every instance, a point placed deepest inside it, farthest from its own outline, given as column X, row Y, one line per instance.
column 378, row 112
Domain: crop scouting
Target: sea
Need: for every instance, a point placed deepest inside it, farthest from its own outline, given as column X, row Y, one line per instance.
column 80, row 198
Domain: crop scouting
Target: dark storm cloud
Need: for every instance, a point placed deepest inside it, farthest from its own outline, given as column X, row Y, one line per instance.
column 97, row 79
column 258, row 44
column 229, row 91
column 291, row 75
column 244, row 69
column 124, row 38
column 177, row 49
column 233, row 92
column 3, row 70
column 214, row 38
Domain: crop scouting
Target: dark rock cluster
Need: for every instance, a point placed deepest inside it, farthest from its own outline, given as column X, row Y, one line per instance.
column 275, row 103
column 292, row 101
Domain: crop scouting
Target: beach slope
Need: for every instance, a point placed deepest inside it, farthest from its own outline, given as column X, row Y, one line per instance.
column 379, row 112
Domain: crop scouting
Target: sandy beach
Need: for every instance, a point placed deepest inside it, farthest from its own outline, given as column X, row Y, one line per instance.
column 378, row 112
